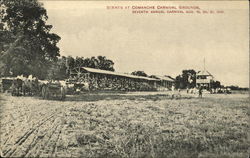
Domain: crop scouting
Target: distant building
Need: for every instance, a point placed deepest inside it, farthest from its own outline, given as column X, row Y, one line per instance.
column 204, row 79
column 108, row 80
column 165, row 82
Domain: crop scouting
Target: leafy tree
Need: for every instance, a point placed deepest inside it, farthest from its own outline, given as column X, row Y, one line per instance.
column 100, row 62
column 58, row 69
column 189, row 78
column 105, row 64
column 179, row 82
column 216, row 84
column 70, row 62
column 61, row 68
column 93, row 63
column 186, row 80
column 27, row 46
column 88, row 62
column 79, row 62
column 139, row 73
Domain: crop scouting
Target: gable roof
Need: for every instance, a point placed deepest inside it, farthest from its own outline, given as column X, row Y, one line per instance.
column 203, row 73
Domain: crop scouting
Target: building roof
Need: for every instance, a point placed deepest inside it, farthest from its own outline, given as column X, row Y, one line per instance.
column 166, row 78
column 7, row 78
column 203, row 73
column 117, row 74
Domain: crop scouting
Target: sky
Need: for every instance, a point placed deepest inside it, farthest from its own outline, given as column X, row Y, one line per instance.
column 159, row 44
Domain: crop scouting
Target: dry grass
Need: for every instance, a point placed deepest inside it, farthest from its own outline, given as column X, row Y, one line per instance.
column 151, row 125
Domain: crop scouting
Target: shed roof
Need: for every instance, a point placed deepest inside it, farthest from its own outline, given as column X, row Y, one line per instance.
column 116, row 74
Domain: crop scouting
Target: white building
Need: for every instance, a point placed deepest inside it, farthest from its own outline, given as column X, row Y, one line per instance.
column 204, row 79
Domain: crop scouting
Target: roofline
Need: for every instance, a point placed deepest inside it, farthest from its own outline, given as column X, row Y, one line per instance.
column 116, row 74
column 208, row 73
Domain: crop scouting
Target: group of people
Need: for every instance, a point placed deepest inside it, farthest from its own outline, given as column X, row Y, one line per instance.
column 195, row 90
column 116, row 84
column 221, row 90
column 22, row 85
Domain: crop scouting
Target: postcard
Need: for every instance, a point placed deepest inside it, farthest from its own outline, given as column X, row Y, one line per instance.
column 124, row 78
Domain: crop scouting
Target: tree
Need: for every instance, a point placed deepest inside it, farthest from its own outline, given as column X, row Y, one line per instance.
column 186, row 80
column 179, row 82
column 105, row 64
column 215, row 84
column 27, row 45
column 139, row 73
column 79, row 62
column 100, row 62
column 189, row 78
column 58, row 70
column 70, row 63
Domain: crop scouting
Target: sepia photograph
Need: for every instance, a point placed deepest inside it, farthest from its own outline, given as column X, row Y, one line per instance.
column 155, row 79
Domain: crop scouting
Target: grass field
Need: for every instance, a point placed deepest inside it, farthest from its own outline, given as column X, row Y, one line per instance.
column 126, row 125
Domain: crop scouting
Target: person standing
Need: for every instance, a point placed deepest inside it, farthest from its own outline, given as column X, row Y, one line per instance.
column 200, row 92
column 172, row 89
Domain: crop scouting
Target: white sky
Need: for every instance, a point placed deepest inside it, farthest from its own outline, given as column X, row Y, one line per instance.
column 160, row 44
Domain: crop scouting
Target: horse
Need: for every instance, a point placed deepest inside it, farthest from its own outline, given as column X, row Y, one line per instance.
column 31, row 87
column 16, row 87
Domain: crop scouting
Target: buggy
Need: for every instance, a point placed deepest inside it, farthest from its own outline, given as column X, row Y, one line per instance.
column 53, row 90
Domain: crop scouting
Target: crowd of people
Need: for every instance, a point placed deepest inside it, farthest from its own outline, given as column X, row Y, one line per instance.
column 116, row 83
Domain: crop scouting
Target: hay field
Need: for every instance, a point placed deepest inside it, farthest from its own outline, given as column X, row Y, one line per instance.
column 148, row 124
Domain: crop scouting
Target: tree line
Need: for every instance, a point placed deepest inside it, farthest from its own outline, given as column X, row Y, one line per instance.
column 61, row 68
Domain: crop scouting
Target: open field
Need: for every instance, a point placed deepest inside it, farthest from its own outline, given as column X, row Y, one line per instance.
column 126, row 125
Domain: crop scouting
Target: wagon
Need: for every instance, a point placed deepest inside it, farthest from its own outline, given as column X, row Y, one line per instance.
column 16, row 87
column 5, row 84
column 76, row 87
column 53, row 90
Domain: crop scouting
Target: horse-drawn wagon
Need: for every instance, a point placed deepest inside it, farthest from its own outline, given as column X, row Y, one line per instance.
column 5, row 84
column 22, row 86
column 53, row 90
